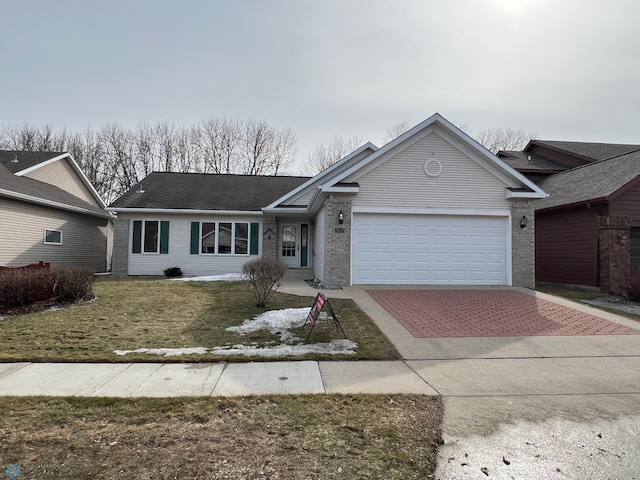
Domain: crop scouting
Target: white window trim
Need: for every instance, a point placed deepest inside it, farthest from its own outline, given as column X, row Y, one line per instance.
column 143, row 235
column 233, row 239
column 44, row 238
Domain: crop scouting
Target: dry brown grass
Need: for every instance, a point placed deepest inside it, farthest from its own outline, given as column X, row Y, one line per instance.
column 275, row 437
column 130, row 314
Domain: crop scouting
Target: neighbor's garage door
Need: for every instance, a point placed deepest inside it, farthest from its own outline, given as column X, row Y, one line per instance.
column 431, row 249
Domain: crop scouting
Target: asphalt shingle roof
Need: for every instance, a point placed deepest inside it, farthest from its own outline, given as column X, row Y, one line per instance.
column 37, row 189
column 596, row 151
column 593, row 181
column 199, row 191
column 528, row 161
column 25, row 159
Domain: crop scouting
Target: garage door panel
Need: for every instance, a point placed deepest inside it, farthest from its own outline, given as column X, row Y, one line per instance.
column 434, row 249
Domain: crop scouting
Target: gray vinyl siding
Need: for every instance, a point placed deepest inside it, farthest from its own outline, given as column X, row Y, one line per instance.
column 401, row 181
column 179, row 248
column 84, row 237
column 62, row 175
column 318, row 245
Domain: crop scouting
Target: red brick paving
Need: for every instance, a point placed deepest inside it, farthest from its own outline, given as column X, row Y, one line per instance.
column 488, row 313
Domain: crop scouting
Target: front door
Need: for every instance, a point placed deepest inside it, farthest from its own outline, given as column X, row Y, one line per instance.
column 289, row 248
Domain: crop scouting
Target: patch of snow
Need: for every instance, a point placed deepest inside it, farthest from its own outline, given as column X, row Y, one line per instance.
column 277, row 322
column 227, row 277
column 167, row 352
column 335, row 347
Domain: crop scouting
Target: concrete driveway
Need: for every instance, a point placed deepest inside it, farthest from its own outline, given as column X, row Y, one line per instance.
column 534, row 387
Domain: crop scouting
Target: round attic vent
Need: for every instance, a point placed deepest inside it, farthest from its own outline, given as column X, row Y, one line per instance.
column 433, row 168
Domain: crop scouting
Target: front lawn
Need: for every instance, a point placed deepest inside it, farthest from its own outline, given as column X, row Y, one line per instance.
column 131, row 314
column 283, row 437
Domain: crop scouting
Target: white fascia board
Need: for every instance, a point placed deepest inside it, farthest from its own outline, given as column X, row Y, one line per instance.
column 323, row 174
column 275, row 210
column 185, row 211
column 484, row 212
column 75, row 167
column 41, row 164
column 493, row 159
column 339, row 189
column 384, row 149
column 50, row 203
column 510, row 194
column 438, row 119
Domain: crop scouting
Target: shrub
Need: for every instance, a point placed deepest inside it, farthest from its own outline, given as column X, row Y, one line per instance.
column 630, row 286
column 20, row 287
column 71, row 284
column 172, row 272
column 262, row 278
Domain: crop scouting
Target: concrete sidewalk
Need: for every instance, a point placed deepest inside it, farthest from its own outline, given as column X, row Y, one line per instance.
column 449, row 378
column 208, row 379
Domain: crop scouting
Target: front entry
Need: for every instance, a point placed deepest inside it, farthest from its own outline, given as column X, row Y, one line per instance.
column 294, row 240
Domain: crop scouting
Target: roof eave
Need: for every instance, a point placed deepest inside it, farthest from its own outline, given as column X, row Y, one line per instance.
column 536, row 195
column 51, row 203
column 438, row 119
column 339, row 189
column 76, row 168
column 323, row 174
column 185, row 211
column 563, row 206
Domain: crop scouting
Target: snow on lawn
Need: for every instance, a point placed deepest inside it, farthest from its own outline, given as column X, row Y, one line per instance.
column 278, row 322
column 167, row 352
column 227, row 277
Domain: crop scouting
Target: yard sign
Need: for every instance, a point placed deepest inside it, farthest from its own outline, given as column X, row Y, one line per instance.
column 319, row 302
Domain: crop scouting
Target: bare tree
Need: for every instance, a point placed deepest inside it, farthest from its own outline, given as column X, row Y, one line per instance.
column 496, row 139
column 265, row 150
column 396, row 130
column 120, row 159
column 87, row 150
column 216, row 143
column 24, row 137
column 326, row 154
column 114, row 159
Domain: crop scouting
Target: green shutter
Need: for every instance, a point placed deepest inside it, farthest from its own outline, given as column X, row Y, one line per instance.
column 137, row 236
column 195, row 238
column 164, row 237
column 254, row 238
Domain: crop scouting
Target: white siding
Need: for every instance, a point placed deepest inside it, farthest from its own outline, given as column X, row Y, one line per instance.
column 62, row 175
column 318, row 245
column 401, row 181
column 180, row 245
column 84, row 238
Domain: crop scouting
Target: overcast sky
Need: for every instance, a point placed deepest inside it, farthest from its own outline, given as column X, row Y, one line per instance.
column 562, row 69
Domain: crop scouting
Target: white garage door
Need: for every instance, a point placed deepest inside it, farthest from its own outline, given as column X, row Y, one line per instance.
column 429, row 249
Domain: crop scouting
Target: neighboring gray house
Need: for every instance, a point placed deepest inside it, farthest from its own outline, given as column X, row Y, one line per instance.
column 50, row 212
column 430, row 207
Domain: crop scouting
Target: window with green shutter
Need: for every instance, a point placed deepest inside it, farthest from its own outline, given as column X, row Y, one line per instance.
column 137, row 237
column 150, row 236
column 164, row 237
column 254, row 239
column 224, row 238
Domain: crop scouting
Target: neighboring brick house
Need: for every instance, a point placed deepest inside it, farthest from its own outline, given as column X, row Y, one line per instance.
column 50, row 212
column 588, row 229
column 430, row 207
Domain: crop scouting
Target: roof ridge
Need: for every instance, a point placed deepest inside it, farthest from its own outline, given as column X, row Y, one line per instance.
column 228, row 174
